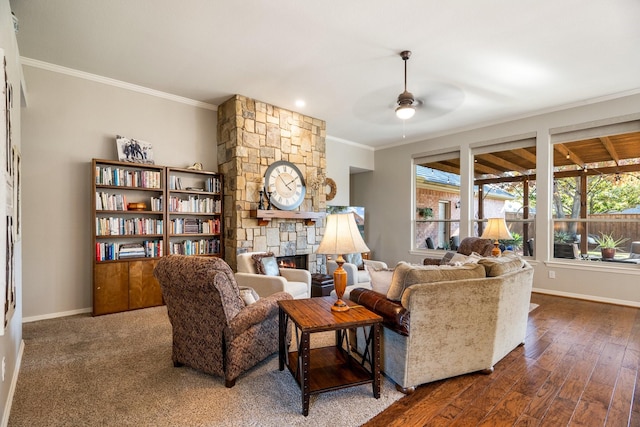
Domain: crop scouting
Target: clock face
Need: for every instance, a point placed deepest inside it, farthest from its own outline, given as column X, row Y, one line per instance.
column 286, row 184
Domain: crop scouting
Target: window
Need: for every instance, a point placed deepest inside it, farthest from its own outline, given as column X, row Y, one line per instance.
column 596, row 193
column 504, row 178
column 437, row 201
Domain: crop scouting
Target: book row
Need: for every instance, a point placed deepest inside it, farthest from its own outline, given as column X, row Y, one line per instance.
column 194, row 226
column 128, row 226
column 120, row 177
column 210, row 185
column 118, row 202
column 195, row 205
column 196, row 247
column 113, row 251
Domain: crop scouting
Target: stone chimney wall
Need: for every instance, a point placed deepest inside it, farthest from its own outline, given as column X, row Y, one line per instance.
column 251, row 136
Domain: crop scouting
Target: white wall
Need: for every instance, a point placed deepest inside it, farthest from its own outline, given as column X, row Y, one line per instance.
column 10, row 342
column 69, row 121
column 343, row 158
column 388, row 206
column 73, row 118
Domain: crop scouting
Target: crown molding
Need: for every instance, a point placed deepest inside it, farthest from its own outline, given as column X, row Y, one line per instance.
column 113, row 82
column 347, row 142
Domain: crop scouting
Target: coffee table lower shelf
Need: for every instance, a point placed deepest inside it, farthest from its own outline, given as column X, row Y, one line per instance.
column 330, row 368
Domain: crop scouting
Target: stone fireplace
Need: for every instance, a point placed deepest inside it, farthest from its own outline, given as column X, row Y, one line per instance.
column 251, row 136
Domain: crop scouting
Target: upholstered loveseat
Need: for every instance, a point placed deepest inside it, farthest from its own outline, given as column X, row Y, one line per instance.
column 444, row 321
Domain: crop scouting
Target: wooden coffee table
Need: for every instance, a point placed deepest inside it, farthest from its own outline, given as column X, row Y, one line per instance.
column 334, row 367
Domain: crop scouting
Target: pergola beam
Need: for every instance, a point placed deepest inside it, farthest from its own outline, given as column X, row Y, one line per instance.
column 562, row 149
column 503, row 164
column 481, row 169
column 527, row 155
column 608, row 145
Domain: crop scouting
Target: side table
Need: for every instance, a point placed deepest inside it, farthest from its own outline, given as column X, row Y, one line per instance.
column 321, row 285
column 334, row 367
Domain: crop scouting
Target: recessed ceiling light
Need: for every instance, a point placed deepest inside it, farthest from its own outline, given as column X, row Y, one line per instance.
column 300, row 103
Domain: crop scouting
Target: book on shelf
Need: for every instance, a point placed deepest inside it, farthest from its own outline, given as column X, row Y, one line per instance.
column 194, row 226
column 110, row 202
column 212, row 184
column 195, row 204
column 121, row 177
column 128, row 226
column 175, row 182
column 196, row 247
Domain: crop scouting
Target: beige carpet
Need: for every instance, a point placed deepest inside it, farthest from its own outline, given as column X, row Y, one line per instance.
column 116, row 370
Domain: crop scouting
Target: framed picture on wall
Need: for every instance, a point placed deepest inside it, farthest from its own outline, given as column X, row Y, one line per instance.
column 134, row 151
column 17, row 196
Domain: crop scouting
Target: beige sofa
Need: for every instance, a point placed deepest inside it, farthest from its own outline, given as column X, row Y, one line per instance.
column 444, row 321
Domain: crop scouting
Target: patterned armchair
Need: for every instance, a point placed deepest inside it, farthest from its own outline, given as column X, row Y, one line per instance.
column 467, row 246
column 213, row 331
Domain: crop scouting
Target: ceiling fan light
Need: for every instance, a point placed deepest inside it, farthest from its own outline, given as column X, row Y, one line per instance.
column 405, row 112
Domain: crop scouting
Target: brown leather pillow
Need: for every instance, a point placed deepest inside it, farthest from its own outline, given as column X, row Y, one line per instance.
column 266, row 264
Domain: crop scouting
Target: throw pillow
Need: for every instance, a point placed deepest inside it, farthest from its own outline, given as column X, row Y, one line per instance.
column 446, row 259
column 460, row 259
column 266, row 264
column 248, row 295
column 406, row 274
column 380, row 278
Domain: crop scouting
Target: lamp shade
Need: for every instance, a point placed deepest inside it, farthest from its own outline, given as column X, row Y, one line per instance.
column 496, row 229
column 341, row 236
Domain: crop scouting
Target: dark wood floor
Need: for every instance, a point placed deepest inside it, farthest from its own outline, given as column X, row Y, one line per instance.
column 579, row 366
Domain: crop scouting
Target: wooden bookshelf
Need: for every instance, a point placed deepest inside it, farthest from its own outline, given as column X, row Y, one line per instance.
column 140, row 213
column 194, row 212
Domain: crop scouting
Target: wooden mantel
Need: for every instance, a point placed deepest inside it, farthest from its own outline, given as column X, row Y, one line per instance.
column 264, row 215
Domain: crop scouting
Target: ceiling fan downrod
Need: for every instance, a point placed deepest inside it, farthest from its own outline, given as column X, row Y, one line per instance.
column 405, row 108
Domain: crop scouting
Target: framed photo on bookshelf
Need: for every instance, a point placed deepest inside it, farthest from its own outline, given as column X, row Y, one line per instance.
column 134, row 151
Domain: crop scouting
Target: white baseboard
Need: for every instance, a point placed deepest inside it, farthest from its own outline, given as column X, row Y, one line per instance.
column 55, row 315
column 12, row 388
column 587, row 297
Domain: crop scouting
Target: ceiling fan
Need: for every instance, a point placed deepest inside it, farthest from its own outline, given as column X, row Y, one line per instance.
column 406, row 102
column 432, row 100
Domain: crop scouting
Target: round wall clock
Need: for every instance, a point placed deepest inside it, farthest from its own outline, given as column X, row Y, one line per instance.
column 286, row 184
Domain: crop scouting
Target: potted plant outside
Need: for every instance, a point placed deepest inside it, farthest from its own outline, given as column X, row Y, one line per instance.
column 425, row 213
column 608, row 244
column 513, row 244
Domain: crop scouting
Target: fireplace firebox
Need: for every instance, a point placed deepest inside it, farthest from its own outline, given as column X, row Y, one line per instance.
column 293, row 261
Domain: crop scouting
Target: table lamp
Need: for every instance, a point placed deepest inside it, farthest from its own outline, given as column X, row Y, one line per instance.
column 341, row 236
column 496, row 229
